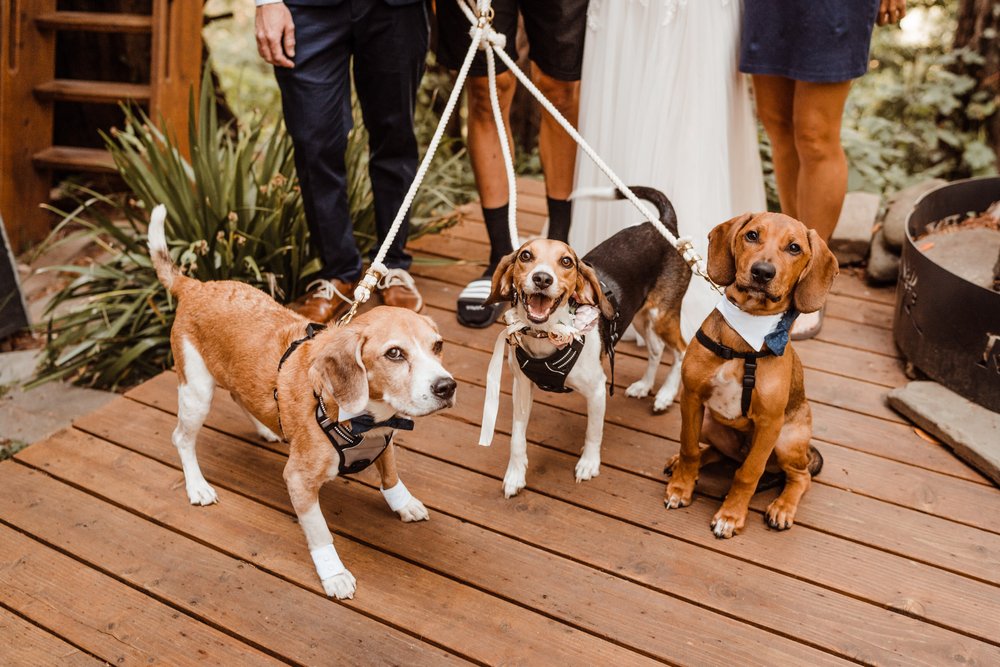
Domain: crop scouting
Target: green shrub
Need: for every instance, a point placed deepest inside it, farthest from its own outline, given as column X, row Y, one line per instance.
column 234, row 212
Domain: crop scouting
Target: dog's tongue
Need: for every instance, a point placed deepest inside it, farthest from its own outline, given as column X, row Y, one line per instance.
column 539, row 306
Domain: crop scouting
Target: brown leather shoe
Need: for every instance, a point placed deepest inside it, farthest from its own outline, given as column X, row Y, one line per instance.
column 398, row 289
column 325, row 300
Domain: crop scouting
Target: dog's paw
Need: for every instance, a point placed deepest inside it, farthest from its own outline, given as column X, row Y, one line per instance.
column 780, row 514
column 341, row 586
column 727, row 523
column 663, row 401
column 587, row 468
column 266, row 434
column 513, row 480
column 414, row 511
column 678, row 494
column 639, row 389
column 201, row 492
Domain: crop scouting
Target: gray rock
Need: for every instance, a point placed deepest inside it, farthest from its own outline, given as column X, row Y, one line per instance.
column 969, row 253
column 883, row 261
column 971, row 430
column 899, row 206
column 853, row 234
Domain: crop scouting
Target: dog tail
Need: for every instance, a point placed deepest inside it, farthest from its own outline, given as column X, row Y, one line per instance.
column 166, row 270
column 663, row 206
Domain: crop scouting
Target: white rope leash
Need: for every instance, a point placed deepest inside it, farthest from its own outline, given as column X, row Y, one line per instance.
column 482, row 27
column 378, row 269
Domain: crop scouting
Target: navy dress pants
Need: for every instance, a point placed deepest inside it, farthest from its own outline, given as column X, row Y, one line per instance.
column 388, row 46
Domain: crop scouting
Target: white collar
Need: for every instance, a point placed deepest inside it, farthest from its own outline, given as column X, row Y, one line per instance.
column 751, row 328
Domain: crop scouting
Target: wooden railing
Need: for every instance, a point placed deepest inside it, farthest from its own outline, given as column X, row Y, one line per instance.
column 29, row 88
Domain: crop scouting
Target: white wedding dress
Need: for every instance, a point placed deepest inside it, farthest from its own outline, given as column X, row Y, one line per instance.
column 662, row 101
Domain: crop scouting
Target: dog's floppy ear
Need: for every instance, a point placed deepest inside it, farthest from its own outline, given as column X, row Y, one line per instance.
column 721, row 261
column 588, row 290
column 338, row 370
column 502, row 280
column 817, row 277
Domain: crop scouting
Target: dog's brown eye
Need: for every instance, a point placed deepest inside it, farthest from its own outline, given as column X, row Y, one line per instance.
column 794, row 248
column 567, row 262
column 525, row 256
column 438, row 346
column 394, row 354
column 751, row 236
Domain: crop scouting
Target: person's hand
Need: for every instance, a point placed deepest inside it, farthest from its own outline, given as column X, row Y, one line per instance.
column 890, row 11
column 275, row 34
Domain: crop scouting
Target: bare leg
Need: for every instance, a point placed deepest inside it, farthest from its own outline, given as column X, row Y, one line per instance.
column 194, row 400
column 775, row 97
column 408, row 507
column 514, row 479
column 484, row 144
column 556, row 148
column 822, row 182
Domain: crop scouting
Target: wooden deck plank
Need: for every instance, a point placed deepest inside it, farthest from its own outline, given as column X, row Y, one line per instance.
column 579, row 595
column 220, row 590
column 761, row 585
column 22, row 643
column 930, row 539
column 431, row 606
column 104, row 617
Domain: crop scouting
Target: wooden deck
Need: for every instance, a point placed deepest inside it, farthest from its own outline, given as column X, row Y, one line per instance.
column 895, row 557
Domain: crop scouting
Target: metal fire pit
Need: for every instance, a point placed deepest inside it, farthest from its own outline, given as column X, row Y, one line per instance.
column 948, row 327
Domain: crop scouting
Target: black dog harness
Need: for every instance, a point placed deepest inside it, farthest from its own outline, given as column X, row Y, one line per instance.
column 355, row 454
column 749, row 365
column 550, row 373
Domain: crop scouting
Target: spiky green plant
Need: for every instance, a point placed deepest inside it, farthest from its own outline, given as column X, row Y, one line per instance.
column 235, row 212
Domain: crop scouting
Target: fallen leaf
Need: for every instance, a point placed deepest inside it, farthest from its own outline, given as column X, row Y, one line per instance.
column 926, row 436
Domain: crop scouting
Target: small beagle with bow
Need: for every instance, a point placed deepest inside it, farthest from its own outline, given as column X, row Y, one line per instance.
column 742, row 390
column 335, row 394
column 558, row 299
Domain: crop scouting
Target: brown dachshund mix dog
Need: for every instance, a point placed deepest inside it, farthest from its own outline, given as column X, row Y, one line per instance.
column 770, row 264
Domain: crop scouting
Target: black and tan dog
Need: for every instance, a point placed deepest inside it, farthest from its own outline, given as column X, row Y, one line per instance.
column 747, row 401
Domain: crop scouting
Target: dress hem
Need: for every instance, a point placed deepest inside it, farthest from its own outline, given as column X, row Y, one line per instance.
column 799, row 75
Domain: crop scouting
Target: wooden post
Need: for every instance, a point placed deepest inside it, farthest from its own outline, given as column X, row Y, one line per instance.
column 28, row 57
column 176, row 68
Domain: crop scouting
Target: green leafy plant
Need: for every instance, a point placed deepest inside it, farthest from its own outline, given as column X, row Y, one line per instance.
column 234, row 212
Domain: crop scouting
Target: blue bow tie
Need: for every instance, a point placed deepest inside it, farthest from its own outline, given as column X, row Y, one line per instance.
column 778, row 339
column 363, row 423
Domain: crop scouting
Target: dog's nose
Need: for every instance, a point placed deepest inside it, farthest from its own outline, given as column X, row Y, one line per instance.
column 762, row 272
column 444, row 387
column 541, row 279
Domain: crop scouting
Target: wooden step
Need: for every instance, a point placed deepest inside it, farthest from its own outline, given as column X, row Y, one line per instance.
column 95, row 22
column 98, row 92
column 72, row 158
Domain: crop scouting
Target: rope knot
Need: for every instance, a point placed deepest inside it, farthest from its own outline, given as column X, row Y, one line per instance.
column 491, row 38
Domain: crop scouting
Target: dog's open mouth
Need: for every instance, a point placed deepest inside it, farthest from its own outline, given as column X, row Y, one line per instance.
column 539, row 306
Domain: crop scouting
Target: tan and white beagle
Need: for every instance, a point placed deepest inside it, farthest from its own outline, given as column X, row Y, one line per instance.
column 384, row 365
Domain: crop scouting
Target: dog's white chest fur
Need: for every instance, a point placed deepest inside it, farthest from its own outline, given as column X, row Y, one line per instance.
column 727, row 391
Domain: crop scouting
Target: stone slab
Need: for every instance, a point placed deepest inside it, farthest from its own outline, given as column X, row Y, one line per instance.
column 883, row 261
column 30, row 416
column 969, row 253
column 899, row 206
column 972, row 431
column 853, row 233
